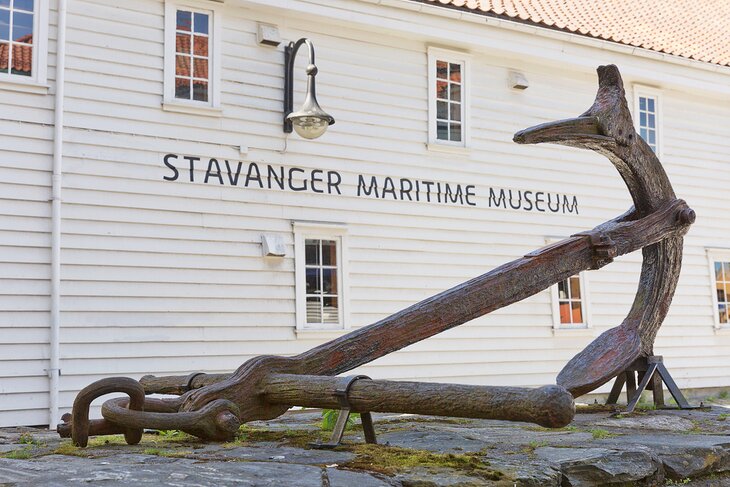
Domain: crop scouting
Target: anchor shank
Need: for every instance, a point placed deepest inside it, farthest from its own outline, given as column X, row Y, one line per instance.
column 500, row 287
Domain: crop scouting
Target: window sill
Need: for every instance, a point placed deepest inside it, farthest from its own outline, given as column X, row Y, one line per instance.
column 208, row 111
column 573, row 332
column 722, row 330
column 449, row 149
column 323, row 333
column 24, row 86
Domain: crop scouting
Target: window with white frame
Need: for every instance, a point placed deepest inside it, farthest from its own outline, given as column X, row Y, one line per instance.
column 569, row 303
column 647, row 116
column 720, row 274
column 448, row 78
column 23, row 41
column 192, row 53
column 320, row 264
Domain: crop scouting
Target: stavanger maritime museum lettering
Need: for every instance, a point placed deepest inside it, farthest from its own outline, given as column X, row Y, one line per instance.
column 265, row 176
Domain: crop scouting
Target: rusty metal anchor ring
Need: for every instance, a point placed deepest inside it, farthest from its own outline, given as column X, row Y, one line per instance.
column 80, row 424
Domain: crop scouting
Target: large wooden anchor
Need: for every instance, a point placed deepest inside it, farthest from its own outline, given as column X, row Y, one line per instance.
column 212, row 406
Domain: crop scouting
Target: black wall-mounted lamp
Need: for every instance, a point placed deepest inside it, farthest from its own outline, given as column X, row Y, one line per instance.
column 310, row 121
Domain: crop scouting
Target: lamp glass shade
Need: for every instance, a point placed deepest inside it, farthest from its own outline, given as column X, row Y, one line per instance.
column 309, row 127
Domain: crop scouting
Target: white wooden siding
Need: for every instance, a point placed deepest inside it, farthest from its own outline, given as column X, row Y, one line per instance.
column 167, row 277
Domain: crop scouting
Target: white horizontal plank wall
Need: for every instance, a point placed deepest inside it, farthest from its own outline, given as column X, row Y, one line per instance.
column 167, row 277
column 26, row 156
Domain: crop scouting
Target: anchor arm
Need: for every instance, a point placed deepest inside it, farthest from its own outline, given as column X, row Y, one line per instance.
column 607, row 128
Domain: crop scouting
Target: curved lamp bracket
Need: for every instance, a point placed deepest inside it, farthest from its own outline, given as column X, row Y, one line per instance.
column 310, row 121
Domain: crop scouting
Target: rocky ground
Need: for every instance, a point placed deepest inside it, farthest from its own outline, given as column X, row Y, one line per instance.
column 647, row 448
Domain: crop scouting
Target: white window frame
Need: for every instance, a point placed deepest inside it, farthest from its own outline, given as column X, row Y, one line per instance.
column 649, row 92
column 37, row 82
column 215, row 35
column 325, row 231
column 438, row 54
column 585, row 301
column 716, row 255
column 555, row 296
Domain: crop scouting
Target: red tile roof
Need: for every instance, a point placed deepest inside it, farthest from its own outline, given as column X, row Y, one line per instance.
column 22, row 55
column 694, row 29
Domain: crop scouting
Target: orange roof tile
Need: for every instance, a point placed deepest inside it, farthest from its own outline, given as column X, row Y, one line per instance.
column 22, row 55
column 693, row 29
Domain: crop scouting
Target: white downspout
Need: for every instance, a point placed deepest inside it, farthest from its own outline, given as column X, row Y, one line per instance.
column 54, row 371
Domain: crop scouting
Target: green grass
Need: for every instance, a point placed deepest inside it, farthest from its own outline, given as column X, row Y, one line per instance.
column 389, row 460
column 28, row 439
column 723, row 416
column 532, row 446
column 167, row 453
column 683, row 481
column 22, row 454
column 329, row 418
column 599, row 434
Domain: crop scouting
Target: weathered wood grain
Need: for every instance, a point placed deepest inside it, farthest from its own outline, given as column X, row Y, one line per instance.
column 550, row 406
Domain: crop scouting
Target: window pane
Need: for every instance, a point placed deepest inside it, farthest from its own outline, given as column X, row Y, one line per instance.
column 201, row 23
column 26, row 5
column 564, row 312
column 642, row 119
column 442, row 90
column 5, row 25
column 652, row 121
column 722, row 312
column 575, row 287
column 182, row 43
column 329, row 281
column 182, row 65
column 642, row 103
column 200, row 90
column 726, row 270
column 455, row 73
column 22, row 60
column 577, row 312
column 563, row 289
column 650, row 103
column 442, row 109
column 455, row 92
column 201, row 68
column 455, row 134
column 201, row 46
column 718, row 271
column 329, row 252
column 5, row 3
column 314, row 310
column 442, row 131
column 652, row 137
column 184, row 21
column 456, row 111
column 721, row 296
column 311, row 251
column 331, row 310
column 642, row 132
column 313, row 286
column 441, row 69
column 182, row 88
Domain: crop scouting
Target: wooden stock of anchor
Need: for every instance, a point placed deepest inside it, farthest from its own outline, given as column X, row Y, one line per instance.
column 213, row 406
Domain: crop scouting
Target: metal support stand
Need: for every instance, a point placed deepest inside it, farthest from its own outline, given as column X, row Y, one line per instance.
column 650, row 370
column 338, row 431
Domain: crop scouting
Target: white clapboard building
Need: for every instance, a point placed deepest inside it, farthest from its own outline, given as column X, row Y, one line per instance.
column 155, row 217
